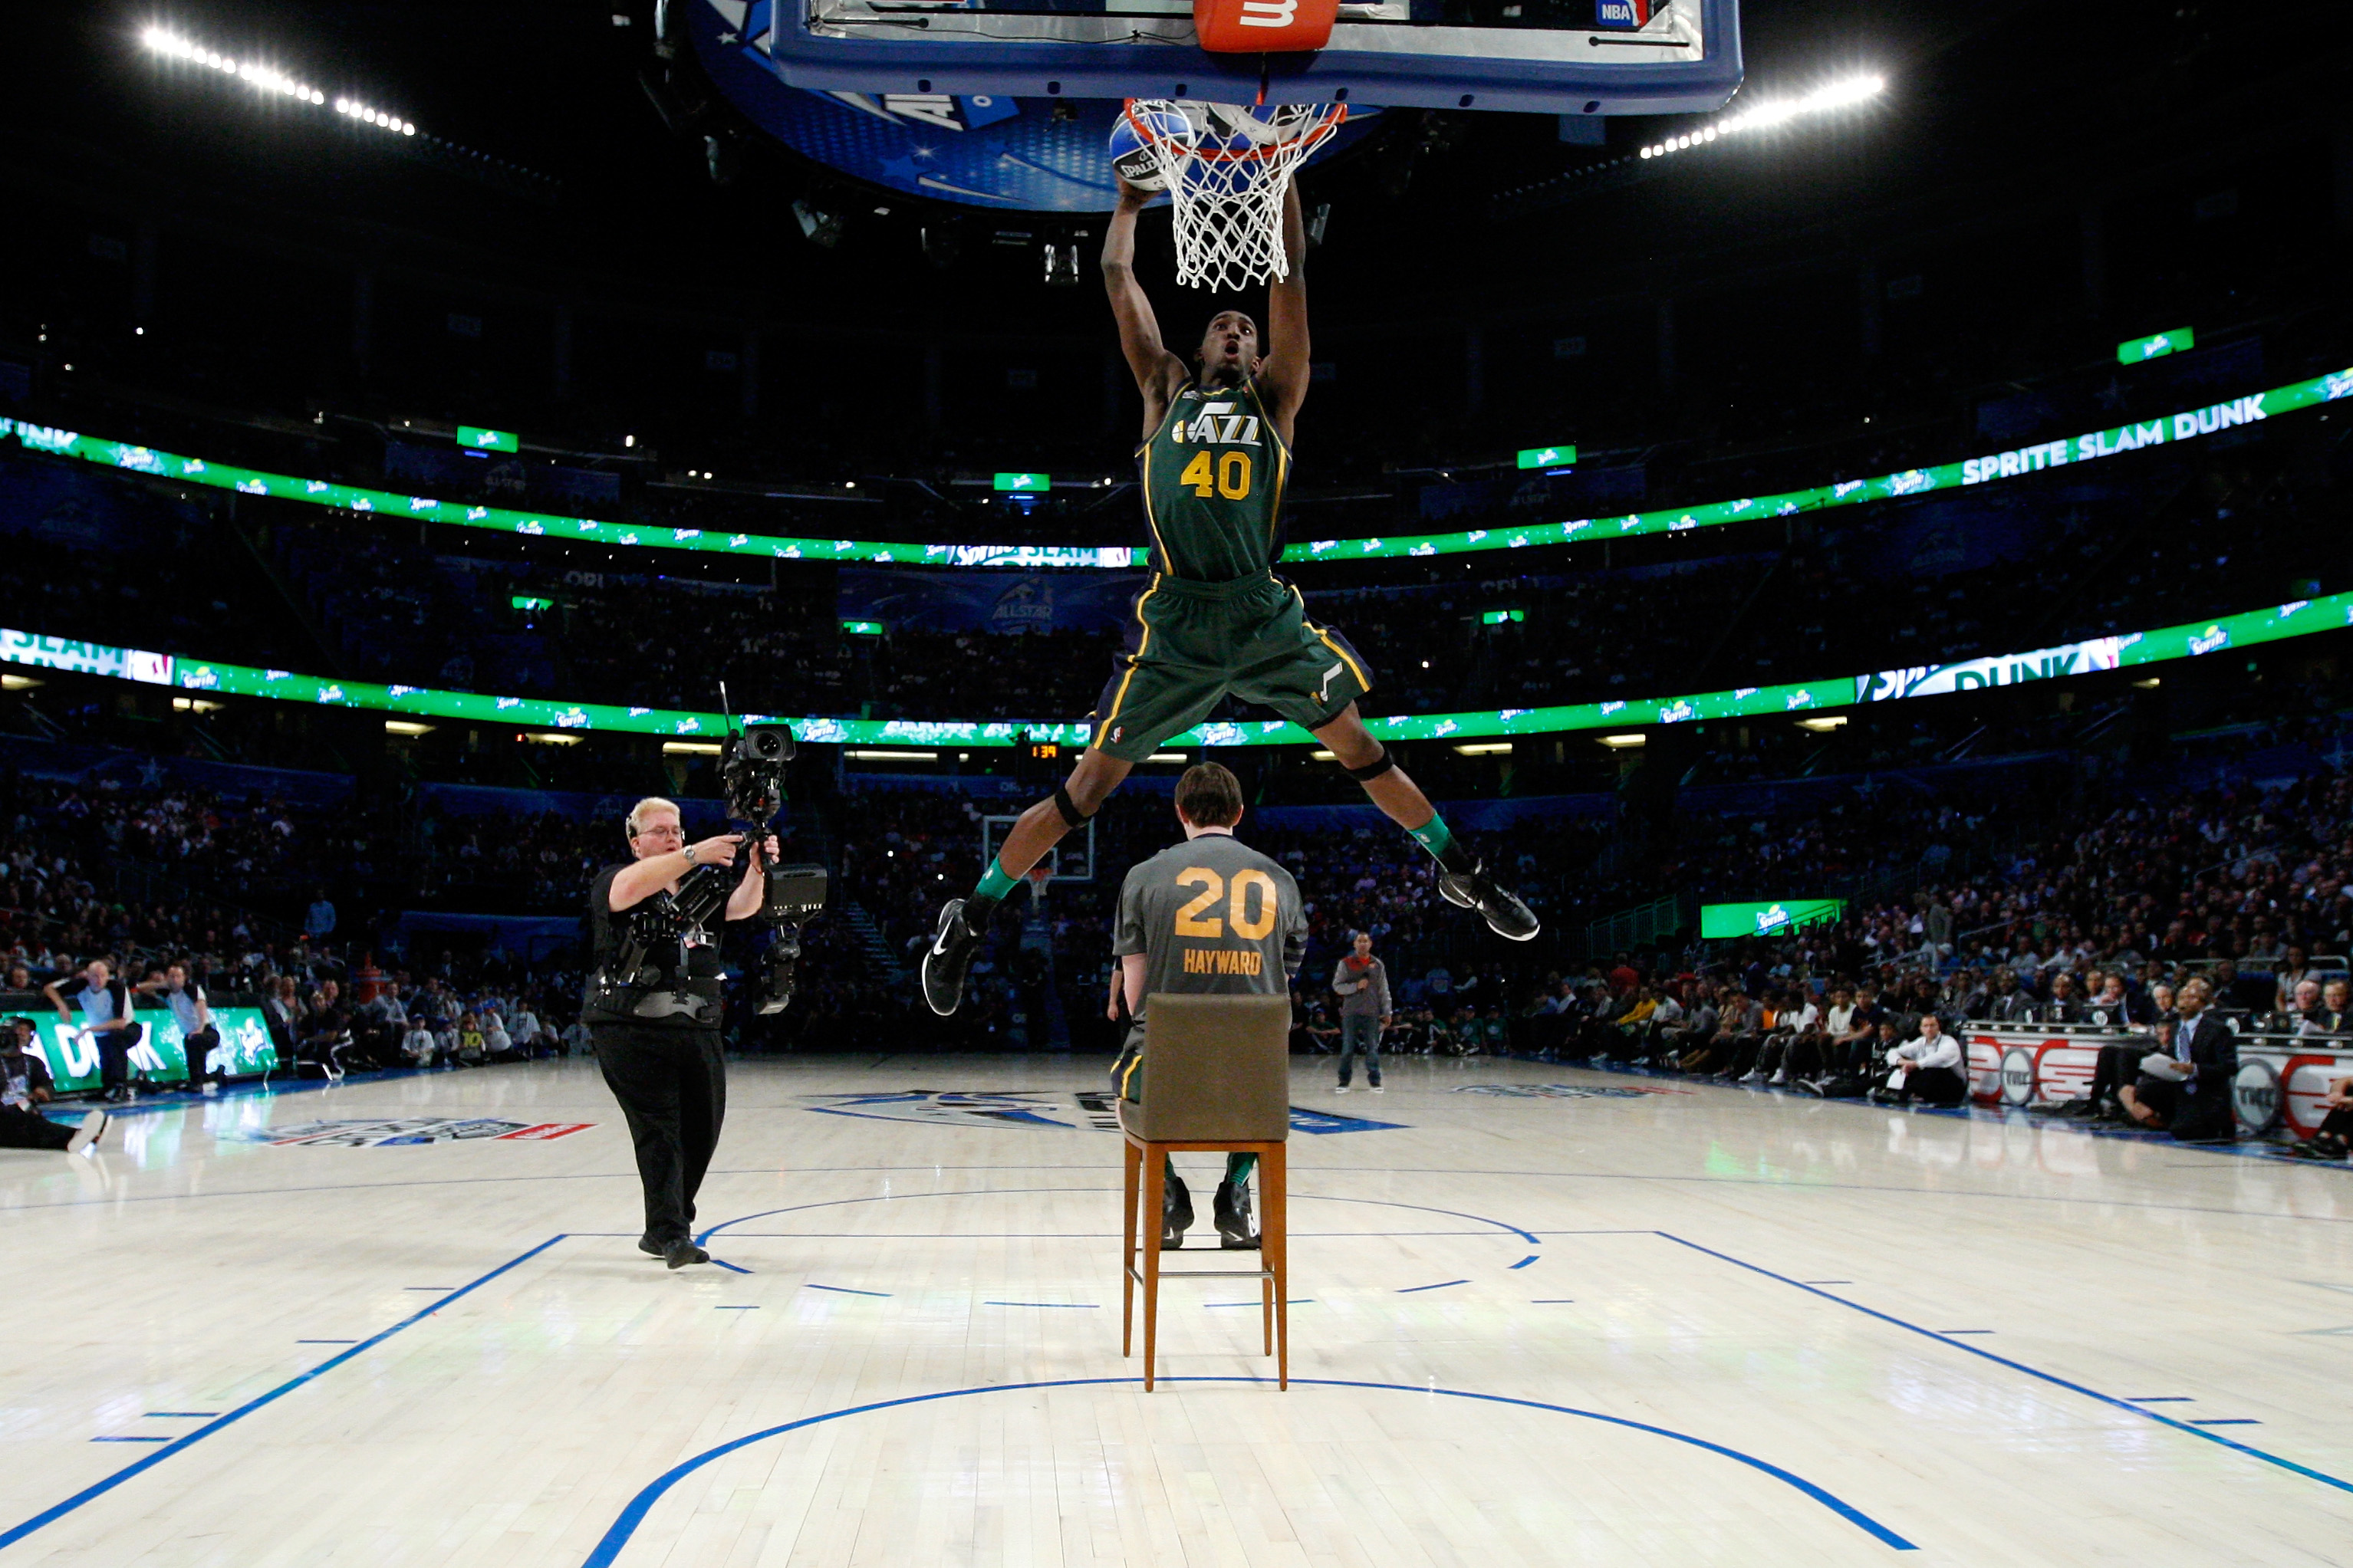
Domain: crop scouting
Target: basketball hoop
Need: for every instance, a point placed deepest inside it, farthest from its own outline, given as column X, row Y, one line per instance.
column 1037, row 876
column 1227, row 179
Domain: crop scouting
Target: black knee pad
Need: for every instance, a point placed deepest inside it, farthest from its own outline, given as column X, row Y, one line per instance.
column 1071, row 815
column 1373, row 769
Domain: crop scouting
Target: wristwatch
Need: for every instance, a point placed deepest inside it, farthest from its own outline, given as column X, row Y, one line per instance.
column 689, row 852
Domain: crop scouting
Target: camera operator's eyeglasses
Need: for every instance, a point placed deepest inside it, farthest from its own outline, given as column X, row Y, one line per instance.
column 662, row 832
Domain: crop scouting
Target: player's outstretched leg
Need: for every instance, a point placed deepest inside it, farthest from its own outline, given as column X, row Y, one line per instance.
column 1464, row 880
column 964, row 920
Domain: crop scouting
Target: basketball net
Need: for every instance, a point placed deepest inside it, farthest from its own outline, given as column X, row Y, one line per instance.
column 1037, row 876
column 1227, row 182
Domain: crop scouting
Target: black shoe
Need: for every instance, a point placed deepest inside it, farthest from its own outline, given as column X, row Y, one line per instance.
column 947, row 959
column 1175, row 1214
column 1233, row 1210
column 649, row 1246
column 681, row 1252
column 1502, row 911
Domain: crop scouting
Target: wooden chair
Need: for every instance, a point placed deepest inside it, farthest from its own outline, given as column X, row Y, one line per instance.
column 1216, row 1078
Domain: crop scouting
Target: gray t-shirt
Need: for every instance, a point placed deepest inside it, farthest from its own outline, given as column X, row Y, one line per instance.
column 1212, row 917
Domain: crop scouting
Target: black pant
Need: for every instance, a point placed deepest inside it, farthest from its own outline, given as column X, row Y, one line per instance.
column 199, row 1046
column 1935, row 1086
column 672, row 1086
column 114, row 1047
column 22, row 1128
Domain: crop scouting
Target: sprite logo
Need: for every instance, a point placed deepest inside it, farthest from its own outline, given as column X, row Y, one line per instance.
column 1771, row 918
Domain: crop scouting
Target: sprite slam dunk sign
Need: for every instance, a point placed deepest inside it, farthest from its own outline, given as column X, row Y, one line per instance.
column 72, row 1051
column 1776, row 919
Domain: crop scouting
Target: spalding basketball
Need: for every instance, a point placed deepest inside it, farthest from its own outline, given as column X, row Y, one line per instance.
column 1138, row 162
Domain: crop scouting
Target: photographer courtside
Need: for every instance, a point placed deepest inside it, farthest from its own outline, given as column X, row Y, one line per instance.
column 653, row 1005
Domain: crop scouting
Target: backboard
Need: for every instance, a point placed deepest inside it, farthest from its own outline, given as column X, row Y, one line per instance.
column 1550, row 57
column 1072, row 860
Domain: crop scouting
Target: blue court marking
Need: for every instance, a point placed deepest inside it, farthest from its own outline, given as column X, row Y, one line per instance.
column 131, row 1439
column 1555, row 1301
column 735, row 1308
column 184, row 1414
column 1294, row 1301
column 617, row 1537
column 2227, row 1421
column 100, row 1488
column 841, row 1290
column 1089, row 1305
column 1523, row 1262
column 2052, row 1378
column 1440, row 1285
column 736, row 1266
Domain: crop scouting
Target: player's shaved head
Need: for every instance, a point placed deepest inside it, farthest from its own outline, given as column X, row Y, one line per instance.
column 1208, row 796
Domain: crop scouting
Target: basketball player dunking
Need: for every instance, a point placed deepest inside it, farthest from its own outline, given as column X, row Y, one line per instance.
column 1215, row 619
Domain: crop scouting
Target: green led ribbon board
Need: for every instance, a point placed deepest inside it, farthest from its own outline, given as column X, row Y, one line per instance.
column 862, row 628
column 1987, row 468
column 489, row 440
column 2192, row 639
column 1781, row 915
column 1032, row 483
column 1547, row 456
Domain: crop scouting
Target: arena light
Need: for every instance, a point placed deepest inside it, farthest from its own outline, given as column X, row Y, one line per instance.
column 1621, row 743
column 406, row 727
column 1485, row 749
column 691, row 748
column 1169, row 757
column 548, row 738
column 871, row 754
column 1843, row 94
column 1822, row 723
column 17, row 683
column 261, row 77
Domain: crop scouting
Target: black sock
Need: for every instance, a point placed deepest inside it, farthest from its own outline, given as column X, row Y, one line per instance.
column 978, row 908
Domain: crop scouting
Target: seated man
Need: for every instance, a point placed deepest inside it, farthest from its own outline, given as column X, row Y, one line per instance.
column 1927, row 1069
column 24, row 1086
column 198, row 1037
column 1246, row 937
column 2192, row 1101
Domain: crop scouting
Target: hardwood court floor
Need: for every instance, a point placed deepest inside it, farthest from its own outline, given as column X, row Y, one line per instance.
column 1689, row 1325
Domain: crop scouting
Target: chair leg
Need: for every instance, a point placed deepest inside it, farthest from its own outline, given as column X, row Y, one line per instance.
column 1154, row 1167
column 1127, row 1250
column 1274, row 1244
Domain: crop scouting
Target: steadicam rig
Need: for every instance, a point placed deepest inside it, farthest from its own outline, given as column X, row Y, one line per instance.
column 751, row 771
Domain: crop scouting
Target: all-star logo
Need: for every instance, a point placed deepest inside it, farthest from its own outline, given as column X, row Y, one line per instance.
column 951, row 1108
column 410, row 1130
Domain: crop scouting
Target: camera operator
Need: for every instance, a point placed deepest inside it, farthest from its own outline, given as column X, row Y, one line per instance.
column 24, row 1086
column 652, row 1006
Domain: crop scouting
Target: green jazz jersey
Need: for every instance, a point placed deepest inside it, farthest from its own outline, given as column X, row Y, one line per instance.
column 1214, row 472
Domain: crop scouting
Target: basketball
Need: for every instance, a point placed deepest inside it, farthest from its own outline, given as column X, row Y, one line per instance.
column 1132, row 154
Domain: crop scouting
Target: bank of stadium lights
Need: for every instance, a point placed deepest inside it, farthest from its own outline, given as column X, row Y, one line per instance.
column 264, row 79
column 268, row 79
column 1836, row 95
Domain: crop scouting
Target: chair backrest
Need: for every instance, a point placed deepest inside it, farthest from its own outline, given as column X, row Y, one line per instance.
column 1215, row 1067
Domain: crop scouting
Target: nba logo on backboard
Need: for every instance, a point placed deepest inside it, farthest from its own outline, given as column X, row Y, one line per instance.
column 1626, row 13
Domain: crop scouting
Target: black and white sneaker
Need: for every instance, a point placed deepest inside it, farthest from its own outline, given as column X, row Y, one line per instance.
column 1234, row 1213
column 85, row 1139
column 948, row 959
column 1498, row 906
column 1175, row 1214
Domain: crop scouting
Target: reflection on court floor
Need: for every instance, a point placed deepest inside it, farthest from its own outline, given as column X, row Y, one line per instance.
column 1537, row 1318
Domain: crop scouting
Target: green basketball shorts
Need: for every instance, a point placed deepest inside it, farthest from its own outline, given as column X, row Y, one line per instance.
column 1190, row 644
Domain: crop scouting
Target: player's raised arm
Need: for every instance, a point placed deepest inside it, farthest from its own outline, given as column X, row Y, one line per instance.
column 1158, row 372
column 1284, row 375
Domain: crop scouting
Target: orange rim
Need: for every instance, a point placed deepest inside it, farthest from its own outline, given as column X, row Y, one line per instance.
column 1327, row 122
